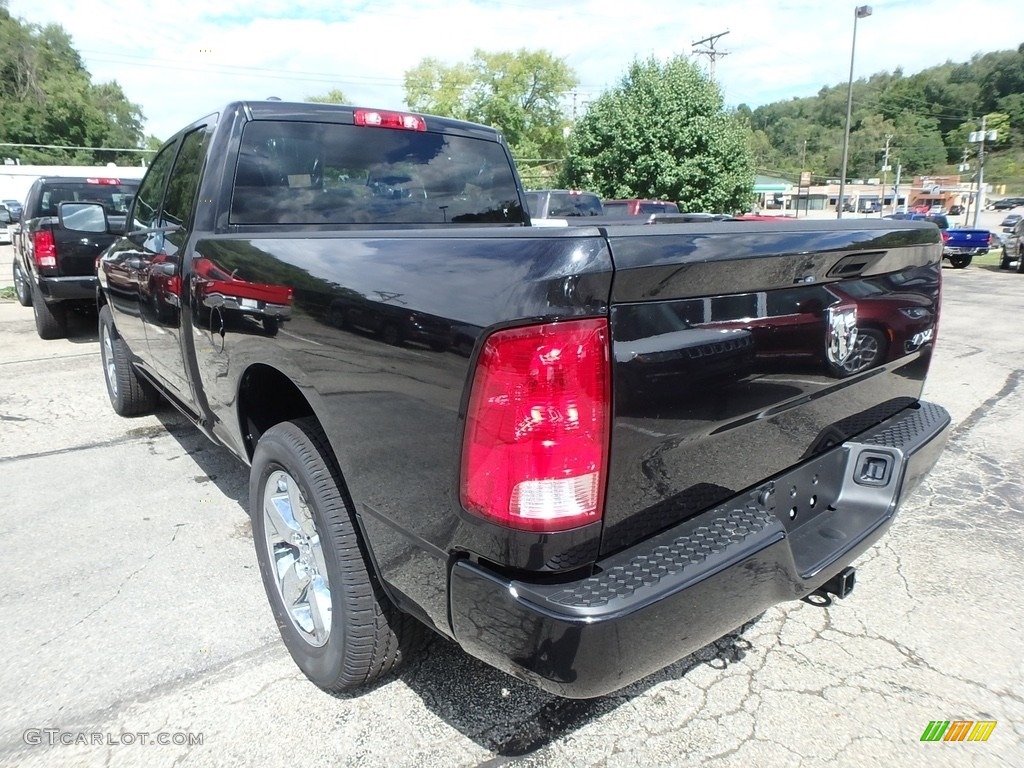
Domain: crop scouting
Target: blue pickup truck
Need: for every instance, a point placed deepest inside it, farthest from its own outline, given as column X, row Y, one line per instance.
column 960, row 244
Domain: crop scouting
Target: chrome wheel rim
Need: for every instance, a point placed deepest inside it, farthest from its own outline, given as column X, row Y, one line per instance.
column 296, row 558
column 865, row 352
column 109, row 369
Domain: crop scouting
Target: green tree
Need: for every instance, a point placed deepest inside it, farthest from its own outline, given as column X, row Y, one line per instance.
column 48, row 97
column 521, row 93
column 663, row 133
column 333, row 96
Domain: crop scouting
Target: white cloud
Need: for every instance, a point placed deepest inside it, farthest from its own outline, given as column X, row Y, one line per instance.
column 184, row 59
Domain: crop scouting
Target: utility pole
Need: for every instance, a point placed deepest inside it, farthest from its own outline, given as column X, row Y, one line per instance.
column 979, row 137
column 710, row 51
column 963, row 168
column 896, row 187
column 981, row 173
column 885, row 175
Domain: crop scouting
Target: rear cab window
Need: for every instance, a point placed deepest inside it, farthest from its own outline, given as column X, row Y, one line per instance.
column 294, row 172
column 565, row 204
column 113, row 194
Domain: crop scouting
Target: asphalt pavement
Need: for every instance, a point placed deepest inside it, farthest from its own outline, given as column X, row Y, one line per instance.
column 133, row 608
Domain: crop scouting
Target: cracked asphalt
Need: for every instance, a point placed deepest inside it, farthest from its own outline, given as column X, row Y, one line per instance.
column 132, row 604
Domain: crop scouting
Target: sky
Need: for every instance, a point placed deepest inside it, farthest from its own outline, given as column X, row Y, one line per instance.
column 182, row 59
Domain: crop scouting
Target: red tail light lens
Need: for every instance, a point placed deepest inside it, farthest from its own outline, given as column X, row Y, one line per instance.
column 380, row 119
column 945, row 236
column 535, row 453
column 112, row 182
column 43, row 248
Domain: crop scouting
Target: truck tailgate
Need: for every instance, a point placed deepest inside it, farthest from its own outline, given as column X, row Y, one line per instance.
column 746, row 348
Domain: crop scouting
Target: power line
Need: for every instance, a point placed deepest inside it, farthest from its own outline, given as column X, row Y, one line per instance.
column 71, row 146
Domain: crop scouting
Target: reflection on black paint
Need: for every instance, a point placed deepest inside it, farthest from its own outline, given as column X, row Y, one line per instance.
column 721, row 391
column 236, row 300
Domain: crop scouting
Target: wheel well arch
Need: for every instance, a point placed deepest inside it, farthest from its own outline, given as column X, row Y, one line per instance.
column 267, row 397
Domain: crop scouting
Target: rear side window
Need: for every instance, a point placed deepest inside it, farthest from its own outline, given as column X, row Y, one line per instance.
column 183, row 186
column 319, row 173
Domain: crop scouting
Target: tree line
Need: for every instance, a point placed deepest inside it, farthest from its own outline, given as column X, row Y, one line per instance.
column 926, row 117
column 663, row 131
column 48, row 97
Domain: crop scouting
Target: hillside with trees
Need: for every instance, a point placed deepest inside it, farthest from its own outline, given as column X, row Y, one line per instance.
column 928, row 116
column 48, row 97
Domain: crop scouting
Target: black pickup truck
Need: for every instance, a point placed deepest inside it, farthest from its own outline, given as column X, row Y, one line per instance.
column 605, row 446
column 55, row 267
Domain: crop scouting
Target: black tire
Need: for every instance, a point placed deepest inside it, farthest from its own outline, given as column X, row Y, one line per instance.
column 1004, row 261
column 959, row 262
column 366, row 635
column 22, row 288
column 51, row 319
column 1020, row 262
column 271, row 325
column 389, row 334
column 129, row 393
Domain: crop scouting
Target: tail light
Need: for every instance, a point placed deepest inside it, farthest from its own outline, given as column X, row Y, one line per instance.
column 44, row 250
column 945, row 236
column 535, row 453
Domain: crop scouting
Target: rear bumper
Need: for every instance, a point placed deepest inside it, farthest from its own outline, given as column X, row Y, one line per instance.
column 68, row 288
column 646, row 607
column 973, row 250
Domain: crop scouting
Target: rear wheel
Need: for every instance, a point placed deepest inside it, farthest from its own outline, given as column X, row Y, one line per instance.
column 959, row 262
column 130, row 394
column 1004, row 261
column 389, row 334
column 51, row 319
column 1020, row 262
column 868, row 351
column 21, row 285
column 333, row 615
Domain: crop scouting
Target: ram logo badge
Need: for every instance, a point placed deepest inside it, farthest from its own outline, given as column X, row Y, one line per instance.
column 842, row 333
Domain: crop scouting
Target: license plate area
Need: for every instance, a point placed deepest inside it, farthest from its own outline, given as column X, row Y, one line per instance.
column 832, row 502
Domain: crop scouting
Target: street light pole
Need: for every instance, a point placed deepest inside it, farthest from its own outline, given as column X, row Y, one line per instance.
column 860, row 12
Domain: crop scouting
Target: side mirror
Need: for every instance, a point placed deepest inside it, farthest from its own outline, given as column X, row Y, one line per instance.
column 82, row 217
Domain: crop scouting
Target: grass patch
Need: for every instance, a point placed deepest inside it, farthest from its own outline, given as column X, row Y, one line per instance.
column 989, row 259
column 7, row 292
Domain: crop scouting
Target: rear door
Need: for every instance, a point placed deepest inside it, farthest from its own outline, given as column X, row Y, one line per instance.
column 124, row 266
column 160, row 276
column 744, row 348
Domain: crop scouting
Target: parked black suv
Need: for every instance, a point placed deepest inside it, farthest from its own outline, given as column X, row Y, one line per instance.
column 53, row 268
